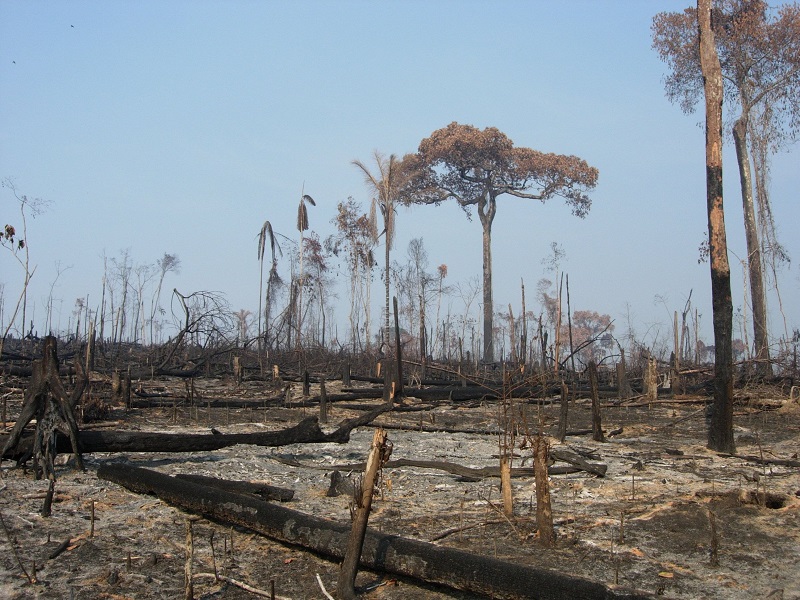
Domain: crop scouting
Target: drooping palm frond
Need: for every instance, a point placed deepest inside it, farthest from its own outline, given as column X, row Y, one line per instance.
column 267, row 233
column 302, row 212
column 262, row 238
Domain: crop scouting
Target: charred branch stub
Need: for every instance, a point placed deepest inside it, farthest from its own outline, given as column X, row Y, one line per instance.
column 379, row 453
column 46, row 401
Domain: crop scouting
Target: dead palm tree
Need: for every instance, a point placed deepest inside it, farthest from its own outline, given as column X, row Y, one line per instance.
column 302, row 225
column 265, row 234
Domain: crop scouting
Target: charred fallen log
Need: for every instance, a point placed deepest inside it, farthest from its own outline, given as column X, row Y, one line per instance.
column 307, row 431
column 381, row 552
column 472, row 473
column 262, row 490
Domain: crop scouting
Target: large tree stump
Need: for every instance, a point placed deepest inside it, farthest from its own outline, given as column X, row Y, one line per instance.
column 47, row 402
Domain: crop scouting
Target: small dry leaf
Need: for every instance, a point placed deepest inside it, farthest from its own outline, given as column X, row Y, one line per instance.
column 667, row 574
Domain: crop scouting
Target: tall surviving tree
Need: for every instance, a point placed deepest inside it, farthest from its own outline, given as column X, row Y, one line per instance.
column 759, row 53
column 720, row 430
column 475, row 167
column 386, row 185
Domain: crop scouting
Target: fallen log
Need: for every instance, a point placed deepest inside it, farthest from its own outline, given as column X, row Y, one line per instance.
column 262, row 490
column 576, row 462
column 381, row 552
column 305, row 432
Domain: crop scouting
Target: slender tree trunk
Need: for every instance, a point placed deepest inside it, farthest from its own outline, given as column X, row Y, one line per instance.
column 103, row 311
column 260, row 314
column 755, row 273
column 557, row 344
column 368, row 306
column 544, row 510
column 720, row 431
column 597, row 425
column 523, row 346
column 386, row 324
column 488, row 303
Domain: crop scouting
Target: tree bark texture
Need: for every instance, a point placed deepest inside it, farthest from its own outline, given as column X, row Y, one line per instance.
column 486, row 212
column 505, row 484
column 623, row 384
column 381, row 552
column 544, row 510
column 755, row 273
column 650, row 384
column 262, row 490
column 720, row 431
column 398, row 390
column 597, row 425
column 563, row 416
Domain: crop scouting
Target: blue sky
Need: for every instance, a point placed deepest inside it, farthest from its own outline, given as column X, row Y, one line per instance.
column 181, row 126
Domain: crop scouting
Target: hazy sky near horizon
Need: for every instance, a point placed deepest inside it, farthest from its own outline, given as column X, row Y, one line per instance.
column 181, row 126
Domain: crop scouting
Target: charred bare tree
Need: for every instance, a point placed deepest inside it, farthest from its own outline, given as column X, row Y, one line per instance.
column 205, row 319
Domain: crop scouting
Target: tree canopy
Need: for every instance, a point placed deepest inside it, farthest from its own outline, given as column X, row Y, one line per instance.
column 476, row 166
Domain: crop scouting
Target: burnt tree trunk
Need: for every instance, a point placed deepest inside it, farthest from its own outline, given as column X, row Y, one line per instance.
column 755, row 273
column 382, row 552
column 563, row 417
column 597, row 425
column 720, row 429
column 307, row 431
column 623, row 384
column 262, row 490
column 544, row 510
column 398, row 389
column 363, row 497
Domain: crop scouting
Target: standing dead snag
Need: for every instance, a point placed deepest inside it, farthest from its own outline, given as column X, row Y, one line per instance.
column 379, row 453
column 597, row 427
column 564, row 413
column 47, row 402
column 650, row 382
column 720, row 430
column 544, row 510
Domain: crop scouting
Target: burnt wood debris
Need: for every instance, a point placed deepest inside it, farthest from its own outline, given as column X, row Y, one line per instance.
column 57, row 394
